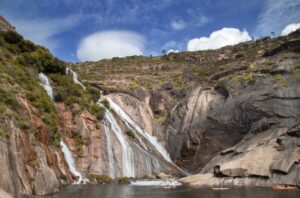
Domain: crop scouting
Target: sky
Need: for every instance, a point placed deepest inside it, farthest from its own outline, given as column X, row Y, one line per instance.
column 90, row 30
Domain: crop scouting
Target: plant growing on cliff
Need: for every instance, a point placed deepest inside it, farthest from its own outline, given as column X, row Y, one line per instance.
column 3, row 132
column 97, row 111
column 77, row 137
column 130, row 134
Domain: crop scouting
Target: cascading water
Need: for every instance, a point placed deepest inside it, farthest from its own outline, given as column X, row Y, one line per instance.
column 111, row 162
column 74, row 76
column 71, row 163
column 44, row 81
column 161, row 150
column 127, row 153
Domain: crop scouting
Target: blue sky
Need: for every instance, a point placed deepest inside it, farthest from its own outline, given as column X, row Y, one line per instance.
column 74, row 29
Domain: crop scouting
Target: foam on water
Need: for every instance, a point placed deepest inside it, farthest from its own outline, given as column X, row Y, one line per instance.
column 161, row 182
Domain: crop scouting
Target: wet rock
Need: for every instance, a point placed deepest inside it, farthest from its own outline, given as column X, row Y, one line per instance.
column 163, row 176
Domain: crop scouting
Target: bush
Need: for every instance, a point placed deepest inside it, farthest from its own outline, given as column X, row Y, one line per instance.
column 40, row 59
column 100, row 179
column 106, row 104
column 123, row 180
column 12, row 37
column 97, row 111
column 130, row 133
column 26, row 46
column 94, row 92
column 3, row 132
column 78, row 141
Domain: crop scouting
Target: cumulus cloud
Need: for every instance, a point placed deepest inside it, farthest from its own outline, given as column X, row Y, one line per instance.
column 178, row 24
column 172, row 51
column 290, row 28
column 109, row 44
column 218, row 39
column 276, row 14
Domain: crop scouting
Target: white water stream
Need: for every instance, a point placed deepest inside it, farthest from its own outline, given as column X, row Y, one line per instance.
column 74, row 76
column 109, row 148
column 127, row 153
column 44, row 81
column 71, row 164
column 137, row 128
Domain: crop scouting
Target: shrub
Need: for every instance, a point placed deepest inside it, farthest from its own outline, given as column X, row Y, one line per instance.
column 130, row 133
column 123, row 180
column 41, row 59
column 100, row 179
column 3, row 132
column 106, row 104
column 78, row 141
column 94, row 92
column 26, row 46
column 97, row 111
column 12, row 37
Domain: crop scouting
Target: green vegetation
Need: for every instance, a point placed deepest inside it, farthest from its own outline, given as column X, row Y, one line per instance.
column 4, row 132
column 296, row 71
column 146, row 177
column 97, row 111
column 280, row 80
column 123, row 180
column 100, row 179
column 130, row 134
column 106, row 104
column 94, row 92
column 76, row 136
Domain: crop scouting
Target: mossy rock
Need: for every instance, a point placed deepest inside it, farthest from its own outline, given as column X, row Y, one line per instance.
column 123, row 180
column 100, row 179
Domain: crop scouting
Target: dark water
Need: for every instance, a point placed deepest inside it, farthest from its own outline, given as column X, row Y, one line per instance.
column 128, row 191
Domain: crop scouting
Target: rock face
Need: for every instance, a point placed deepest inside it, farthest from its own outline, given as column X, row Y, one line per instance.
column 5, row 25
column 28, row 166
column 266, row 116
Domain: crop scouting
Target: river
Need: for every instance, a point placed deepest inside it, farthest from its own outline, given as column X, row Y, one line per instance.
column 130, row 191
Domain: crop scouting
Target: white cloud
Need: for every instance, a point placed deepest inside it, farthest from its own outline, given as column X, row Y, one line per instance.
column 178, row 24
column 218, row 39
column 172, row 51
column 290, row 28
column 109, row 44
column 276, row 14
column 42, row 31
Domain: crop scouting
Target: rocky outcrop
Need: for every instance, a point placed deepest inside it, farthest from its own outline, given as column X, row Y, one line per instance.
column 28, row 165
column 5, row 25
column 265, row 116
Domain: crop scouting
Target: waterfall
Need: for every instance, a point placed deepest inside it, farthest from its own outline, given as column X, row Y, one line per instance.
column 161, row 150
column 71, row 163
column 74, row 76
column 110, row 156
column 127, row 153
column 44, row 81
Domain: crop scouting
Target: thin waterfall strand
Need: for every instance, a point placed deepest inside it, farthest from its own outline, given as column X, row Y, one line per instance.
column 44, row 81
column 71, row 163
column 110, row 156
column 75, row 77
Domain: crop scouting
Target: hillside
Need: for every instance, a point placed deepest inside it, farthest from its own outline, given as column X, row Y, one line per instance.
column 229, row 114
